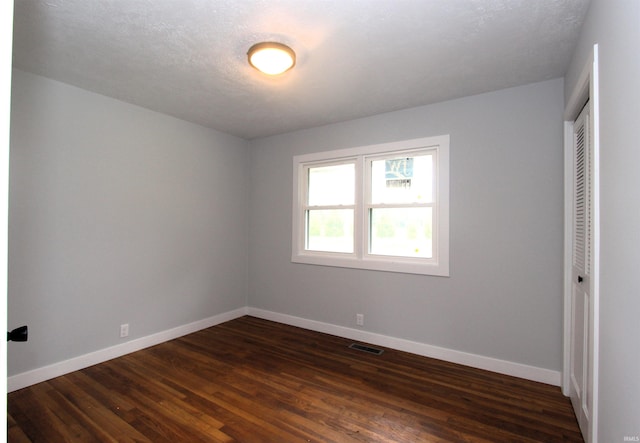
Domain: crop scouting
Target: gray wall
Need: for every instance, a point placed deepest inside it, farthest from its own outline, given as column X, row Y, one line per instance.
column 614, row 25
column 122, row 215
column 117, row 215
column 504, row 296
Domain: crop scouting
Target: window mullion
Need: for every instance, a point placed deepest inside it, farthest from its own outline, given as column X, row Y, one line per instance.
column 360, row 228
column 366, row 200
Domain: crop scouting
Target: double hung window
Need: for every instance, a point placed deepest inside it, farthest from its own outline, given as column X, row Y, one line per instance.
column 382, row 207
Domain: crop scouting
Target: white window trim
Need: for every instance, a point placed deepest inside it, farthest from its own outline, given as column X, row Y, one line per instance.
column 360, row 259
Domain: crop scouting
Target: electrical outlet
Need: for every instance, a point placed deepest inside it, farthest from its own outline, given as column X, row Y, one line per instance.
column 124, row 330
column 360, row 319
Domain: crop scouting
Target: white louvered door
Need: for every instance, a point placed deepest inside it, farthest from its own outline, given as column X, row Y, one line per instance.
column 581, row 303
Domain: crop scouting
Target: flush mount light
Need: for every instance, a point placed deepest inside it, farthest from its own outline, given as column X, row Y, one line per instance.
column 271, row 58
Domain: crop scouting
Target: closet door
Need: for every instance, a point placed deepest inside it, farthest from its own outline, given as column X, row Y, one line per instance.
column 581, row 377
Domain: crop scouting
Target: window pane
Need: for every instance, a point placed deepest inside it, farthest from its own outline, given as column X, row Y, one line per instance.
column 330, row 230
column 402, row 180
column 332, row 185
column 402, row 232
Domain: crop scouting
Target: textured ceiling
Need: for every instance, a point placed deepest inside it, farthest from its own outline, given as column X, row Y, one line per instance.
column 187, row 58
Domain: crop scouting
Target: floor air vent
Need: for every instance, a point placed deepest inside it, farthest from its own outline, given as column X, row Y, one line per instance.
column 364, row 348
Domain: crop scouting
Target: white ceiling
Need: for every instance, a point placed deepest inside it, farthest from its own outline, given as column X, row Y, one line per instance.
column 187, row 58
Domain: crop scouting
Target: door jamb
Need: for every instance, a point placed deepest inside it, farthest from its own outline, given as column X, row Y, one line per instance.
column 585, row 90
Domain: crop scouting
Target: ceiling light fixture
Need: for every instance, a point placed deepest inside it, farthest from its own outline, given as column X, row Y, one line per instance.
column 271, row 58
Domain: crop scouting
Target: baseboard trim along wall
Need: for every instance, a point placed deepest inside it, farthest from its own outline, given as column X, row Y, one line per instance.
column 473, row 360
column 38, row 375
column 29, row 378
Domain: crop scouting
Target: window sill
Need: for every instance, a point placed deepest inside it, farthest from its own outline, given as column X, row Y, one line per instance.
column 387, row 264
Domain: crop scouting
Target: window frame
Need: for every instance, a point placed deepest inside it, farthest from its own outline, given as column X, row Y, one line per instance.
column 361, row 258
column 369, row 206
column 305, row 206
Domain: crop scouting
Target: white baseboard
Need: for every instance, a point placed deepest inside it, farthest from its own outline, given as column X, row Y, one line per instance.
column 38, row 375
column 473, row 360
column 29, row 378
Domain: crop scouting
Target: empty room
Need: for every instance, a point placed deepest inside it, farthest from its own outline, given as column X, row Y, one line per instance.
column 416, row 223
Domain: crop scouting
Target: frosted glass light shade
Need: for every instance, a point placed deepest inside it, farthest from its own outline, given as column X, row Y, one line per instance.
column 271, row 58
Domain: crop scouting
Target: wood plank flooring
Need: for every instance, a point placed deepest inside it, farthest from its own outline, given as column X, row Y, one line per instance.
column 251, row 380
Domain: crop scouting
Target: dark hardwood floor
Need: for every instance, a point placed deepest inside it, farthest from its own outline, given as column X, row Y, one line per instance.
column 251, row 380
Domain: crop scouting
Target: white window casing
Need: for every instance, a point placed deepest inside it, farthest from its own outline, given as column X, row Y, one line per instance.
column 354, row 249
